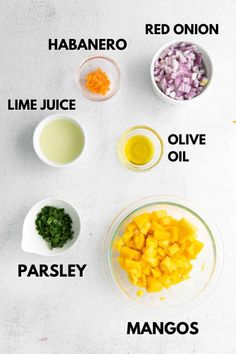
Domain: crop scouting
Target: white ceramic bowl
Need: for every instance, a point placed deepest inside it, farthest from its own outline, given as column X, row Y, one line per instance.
column 209, row 69
column 92, row 63
column 37, row 133
column 34, row 243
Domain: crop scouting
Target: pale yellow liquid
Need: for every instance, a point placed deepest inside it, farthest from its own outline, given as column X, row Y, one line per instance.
column 139, row 149
column 61, row 141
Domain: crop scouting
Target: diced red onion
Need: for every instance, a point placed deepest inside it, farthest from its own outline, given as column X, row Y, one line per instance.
column 179, row 71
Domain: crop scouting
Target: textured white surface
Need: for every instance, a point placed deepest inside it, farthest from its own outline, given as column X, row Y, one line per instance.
column 84, row 315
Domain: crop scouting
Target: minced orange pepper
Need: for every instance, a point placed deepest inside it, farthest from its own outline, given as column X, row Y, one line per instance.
column 98, row 82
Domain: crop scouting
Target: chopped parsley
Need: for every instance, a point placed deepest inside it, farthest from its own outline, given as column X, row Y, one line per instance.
column 54, row 225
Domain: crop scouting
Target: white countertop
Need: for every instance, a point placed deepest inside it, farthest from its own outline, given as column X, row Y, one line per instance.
column 70, row 316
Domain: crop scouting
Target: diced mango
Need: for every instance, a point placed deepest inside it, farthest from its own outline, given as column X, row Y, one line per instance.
column 165, row 280
column 145, row 228
column 160, row 214
column 165, row 221
column 198, row 247
column 154, row 226
column 180, row 261
column 142, row 282
column 152, row 216
column 176, row 277
column 156, row 272
column 186, row 229
column 160, row 233
column 173, row 231
column 153, row 261
column 150, row 251
column 130, row 253
column 134, row 278
column 168, row 264
column 129, row 264
column 153, row 284
column 139, row 241
column 164, row 244
column 150, row 241
column 141, row 220
column 127, row 237
column 146, row 268
column 173, row 249
column 156, row 250
column 131, row 227
column 161, row 252
column 119, row 243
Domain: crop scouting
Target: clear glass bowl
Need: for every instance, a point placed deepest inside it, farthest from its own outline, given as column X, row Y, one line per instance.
column 105, row 64
column 149, row 133
column 206, row 268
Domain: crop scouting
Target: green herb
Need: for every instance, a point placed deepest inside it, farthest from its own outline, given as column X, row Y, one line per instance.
column 54, row 225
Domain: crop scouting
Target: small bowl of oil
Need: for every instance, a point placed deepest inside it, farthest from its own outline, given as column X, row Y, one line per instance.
column 140, row 148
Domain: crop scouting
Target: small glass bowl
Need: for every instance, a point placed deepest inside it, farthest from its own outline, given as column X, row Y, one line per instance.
column 105, row 64
column 206, row 268
column 150, row 134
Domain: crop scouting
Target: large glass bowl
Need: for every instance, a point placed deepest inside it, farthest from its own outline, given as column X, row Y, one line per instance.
column 206, row 268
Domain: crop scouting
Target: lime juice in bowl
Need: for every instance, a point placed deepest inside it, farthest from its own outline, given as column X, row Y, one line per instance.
column 59, row 140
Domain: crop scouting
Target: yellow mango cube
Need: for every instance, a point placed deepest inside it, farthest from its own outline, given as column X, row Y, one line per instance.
column 160, row 233
column 130, row 253
column 153, row 261
column 173, row 249
column 118, row 244
column 141, row 220
column 161, row 252
column 198, row 245
column 186, row 229
column 153, row 284
column 164, row 244
column 160, row 214
column 139, row 241
column 180, row 261
column 165, row 280
column 168, row 264
column 173, row 232
column 131, row 227
column 133, row 278
column 150, row 241
column 150, row 251
column 154, row 225
column 146, row 268
column 130, row 264
column 166, row 221
column 142, row 282
column 156, row 272
column 145, row 228
column 127, row 237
